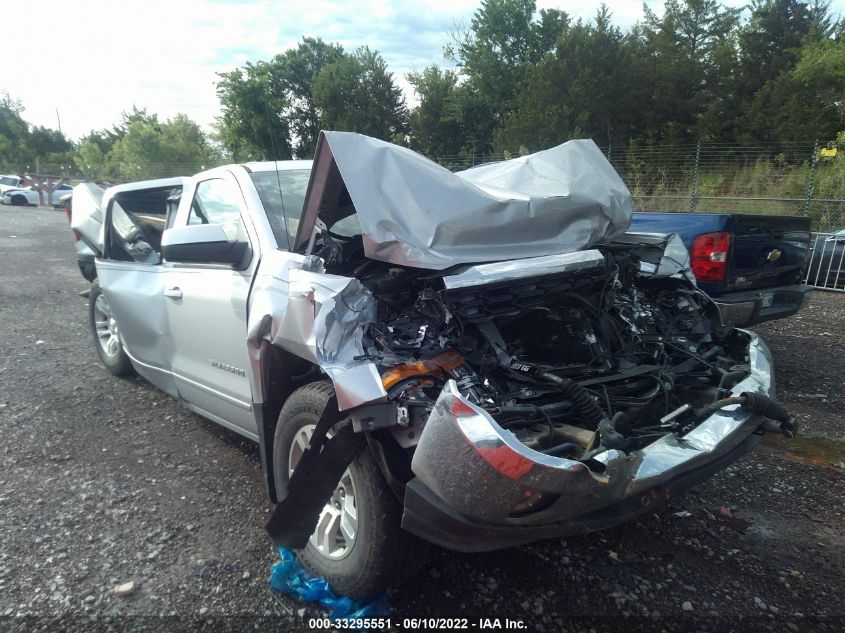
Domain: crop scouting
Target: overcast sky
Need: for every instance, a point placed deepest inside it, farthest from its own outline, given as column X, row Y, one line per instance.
column 92, row 60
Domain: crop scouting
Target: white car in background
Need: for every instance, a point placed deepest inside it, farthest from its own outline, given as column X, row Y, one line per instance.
column 28, row 195
column 10, row 181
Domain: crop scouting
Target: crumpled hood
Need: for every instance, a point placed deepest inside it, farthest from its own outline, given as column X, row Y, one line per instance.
column 414, row 212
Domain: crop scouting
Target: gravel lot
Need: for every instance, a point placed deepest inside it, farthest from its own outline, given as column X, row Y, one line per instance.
column 106, row 481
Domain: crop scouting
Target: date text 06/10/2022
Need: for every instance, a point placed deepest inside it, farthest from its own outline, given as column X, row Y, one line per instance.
column 417, row 624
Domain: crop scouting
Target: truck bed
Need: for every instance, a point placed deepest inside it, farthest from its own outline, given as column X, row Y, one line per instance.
column 765, row 258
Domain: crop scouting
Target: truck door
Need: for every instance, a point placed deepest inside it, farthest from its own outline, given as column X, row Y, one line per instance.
column 132, row 279
column 207, row 309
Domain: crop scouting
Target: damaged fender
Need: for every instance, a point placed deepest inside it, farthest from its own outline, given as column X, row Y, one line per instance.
column 318, row 317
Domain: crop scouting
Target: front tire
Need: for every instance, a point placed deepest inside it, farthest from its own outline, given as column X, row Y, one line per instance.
column 19, row 201
column 359, row 558
column 106, row 334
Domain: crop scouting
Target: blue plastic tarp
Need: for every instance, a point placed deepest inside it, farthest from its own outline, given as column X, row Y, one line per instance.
column 290, row 577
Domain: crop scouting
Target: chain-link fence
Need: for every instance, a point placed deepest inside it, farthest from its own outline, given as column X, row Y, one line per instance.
column 780, row 179
column 793, row 179
column 806, row 178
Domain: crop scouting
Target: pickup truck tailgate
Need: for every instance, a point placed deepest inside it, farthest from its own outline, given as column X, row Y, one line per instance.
column 767, row 251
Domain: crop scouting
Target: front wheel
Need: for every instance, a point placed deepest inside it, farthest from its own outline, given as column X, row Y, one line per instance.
column 106, row 334
column 19, row 201
column 358, row 545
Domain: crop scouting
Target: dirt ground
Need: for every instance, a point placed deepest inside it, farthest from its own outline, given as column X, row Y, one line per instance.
column 105, row 481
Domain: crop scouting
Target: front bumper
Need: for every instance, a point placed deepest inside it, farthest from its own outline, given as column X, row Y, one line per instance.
column 427, row 516
column 471, row 475
column 755, row 306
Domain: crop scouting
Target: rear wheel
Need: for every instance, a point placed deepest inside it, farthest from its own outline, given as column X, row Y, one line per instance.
column 107, row 334
column 358, row 545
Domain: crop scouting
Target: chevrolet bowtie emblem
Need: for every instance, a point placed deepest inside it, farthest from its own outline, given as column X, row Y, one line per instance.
column 774, row 255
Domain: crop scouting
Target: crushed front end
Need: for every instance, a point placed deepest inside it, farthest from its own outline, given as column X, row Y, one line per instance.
column 478, row 488
column 554, row 395
column 577, row 378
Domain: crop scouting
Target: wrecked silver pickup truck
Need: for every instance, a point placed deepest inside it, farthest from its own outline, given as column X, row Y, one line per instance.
column 476, row 360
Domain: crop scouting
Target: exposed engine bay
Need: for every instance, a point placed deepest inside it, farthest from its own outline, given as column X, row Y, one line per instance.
column 517, row 363
column 607, row 354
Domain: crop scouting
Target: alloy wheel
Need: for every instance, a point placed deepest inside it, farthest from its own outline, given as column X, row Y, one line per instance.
column 338, row 522
column 108, row 335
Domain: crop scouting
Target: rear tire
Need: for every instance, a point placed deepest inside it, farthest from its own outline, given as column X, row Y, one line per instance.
column 106, row 334
column 381, row 554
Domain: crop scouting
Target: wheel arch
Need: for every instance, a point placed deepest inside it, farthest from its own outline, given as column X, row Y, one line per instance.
column 282, row 373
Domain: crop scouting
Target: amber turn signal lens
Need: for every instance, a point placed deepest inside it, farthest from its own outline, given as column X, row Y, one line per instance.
column 436, row 366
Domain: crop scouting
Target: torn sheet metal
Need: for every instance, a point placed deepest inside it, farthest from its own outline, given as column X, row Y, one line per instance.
column 482, row 471
column 675, row 260
column 318, row 317
column 523, row 268
column 414, row 212
column 87, row 214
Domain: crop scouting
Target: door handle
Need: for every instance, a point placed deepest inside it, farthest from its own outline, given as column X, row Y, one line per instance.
column 174, row 292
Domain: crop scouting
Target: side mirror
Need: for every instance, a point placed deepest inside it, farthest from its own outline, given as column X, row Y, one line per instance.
column 202, row 244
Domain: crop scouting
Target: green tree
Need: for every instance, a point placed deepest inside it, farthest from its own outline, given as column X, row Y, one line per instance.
column 252, row 124
column 102, row 139
column 777, row 104
column 298, row 69
column 717, row 121
column 771, row 40
column 504, row 39
column 823, row 24
column 149, row 149
column 357, row 93
column 139, row 154
column 435, row 124
column 44, row 141
column 92, row 157
column 268, row 107
column 13, row 131
column 90, row 160
column 184, row 143
column 821, row 74
column 584, row 89
column 680, row 48
column 22, row 146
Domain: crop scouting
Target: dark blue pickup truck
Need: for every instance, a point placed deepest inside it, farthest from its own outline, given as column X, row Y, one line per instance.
column 752, row 265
